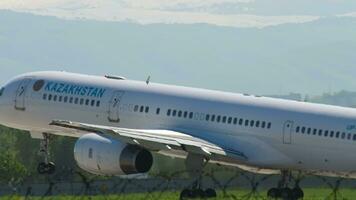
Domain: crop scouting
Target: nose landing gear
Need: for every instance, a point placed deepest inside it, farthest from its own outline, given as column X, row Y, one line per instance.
column 45, row 167
column 198, row 194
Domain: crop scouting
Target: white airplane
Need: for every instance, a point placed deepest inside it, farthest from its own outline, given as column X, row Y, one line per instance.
column 120, row 122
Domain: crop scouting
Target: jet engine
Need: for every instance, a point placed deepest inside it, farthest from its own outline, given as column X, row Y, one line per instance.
column 109, row 157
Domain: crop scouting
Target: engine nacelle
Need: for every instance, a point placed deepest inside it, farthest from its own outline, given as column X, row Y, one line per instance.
column 109, row 157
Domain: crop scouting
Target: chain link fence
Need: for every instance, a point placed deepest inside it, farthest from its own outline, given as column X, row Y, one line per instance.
column 230, row 184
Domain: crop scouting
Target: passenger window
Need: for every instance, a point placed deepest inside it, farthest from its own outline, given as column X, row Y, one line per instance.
column 263, row 124
column 44, row 96
column 65, row 99
column 224, row 119
column 218, row 118
column 185, row 114
column 92, row 103
column 337, row 134
column 246, row 122
column 252, row 123
column 326, row 133
column 269, row 125
column 147, row 109
column 349, row 136
column 235, row 120
column 191, row 115
column 76, row 101
column 169, row 112
column 320, row 132
column 241, row 121
column 354, row 137
column 303, row 130
column 343, row 135
column 87, row 102
column 257, row 124
column 207, row 117
column 55, row 98
column 332, row 134
column 158, row 111
column 309, row 131
column 81, row 101
column 180, row 114
column 229, row 120
column 98, row 104
column 60, row 98
column 49, row 97
column 142, row 108
column 297, row 129
column 314, row 131
column 71, row 100
column 213, row 118
column 174, row 113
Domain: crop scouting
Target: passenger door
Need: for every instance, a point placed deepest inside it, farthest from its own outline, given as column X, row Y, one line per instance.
column 287, row 132
column 114, row 106
column 21, row 95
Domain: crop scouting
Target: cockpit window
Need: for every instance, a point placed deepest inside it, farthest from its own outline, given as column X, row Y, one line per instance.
column 1, row 91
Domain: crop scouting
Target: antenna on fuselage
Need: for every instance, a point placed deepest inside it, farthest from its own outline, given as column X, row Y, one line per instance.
column 148, row 80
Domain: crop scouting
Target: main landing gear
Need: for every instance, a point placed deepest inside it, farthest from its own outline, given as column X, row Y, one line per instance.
column 45, row 167
column 283, row 191
column 198, row 194
column 195, row 164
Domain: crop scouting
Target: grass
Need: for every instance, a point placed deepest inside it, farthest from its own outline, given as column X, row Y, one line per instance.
column 310, row 194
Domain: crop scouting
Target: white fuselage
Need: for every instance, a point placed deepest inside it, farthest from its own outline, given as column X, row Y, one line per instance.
column 272, row 133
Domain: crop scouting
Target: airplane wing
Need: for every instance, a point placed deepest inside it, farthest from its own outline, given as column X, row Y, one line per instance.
column 156, row 140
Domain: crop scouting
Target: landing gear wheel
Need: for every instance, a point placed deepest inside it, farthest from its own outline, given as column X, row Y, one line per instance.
column 185, row 194
column 210, row 193
column 51, row 168
column 273, row 193
column 286, row 193
column 198, row 193
column 44, row 168
column 297, row 193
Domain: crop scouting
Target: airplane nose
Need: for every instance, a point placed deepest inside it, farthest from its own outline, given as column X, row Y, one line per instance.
column 1, row 95
column 1, row 104
column 4, row 105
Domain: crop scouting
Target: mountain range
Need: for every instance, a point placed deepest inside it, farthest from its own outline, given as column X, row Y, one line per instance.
column 308, row 58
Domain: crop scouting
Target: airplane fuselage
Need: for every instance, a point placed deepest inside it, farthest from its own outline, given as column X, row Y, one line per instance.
column 273, row 133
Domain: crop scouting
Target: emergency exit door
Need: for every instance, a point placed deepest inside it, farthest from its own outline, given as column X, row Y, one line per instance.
column 114, row 106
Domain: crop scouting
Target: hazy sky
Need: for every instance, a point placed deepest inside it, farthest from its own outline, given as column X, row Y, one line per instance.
column 236, row 13
column 249, row 46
